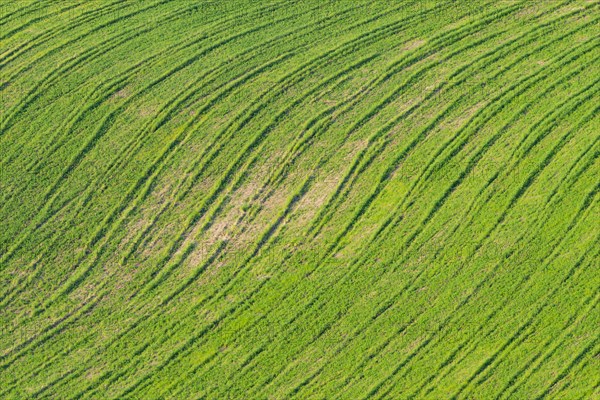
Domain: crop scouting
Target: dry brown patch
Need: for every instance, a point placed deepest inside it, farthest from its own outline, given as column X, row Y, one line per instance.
column 147, row 111
column 121, row 94
column 414, row 44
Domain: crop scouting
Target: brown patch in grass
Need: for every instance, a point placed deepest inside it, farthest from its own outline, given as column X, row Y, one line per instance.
column 413, row 44
column 121, row 94
column 147, row 111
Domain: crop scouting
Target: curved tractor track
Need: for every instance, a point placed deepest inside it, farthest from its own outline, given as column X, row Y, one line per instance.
column 346, row 199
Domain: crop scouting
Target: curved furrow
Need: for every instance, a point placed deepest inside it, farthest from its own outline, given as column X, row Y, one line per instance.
column 220, row 186
column 249, row 51
column 213, row 33
column 305, row 382
column 538, row 359
column 264, row 239
column 472, row 165
column 98, row 29
column 77, row 277
column 70, row 65
column 198, row 168
column 388, row 305
column 272, row 180
column 435, row 165
column 220, row 248
column 103, row 47
column 81, row 19
column 284, row 112
column 212, row 48
column 195, row 170
column 548, row 118
column 588, row 201
column 70, row 7
column 277, row 178
column 480, row 245
column 396, row 217
column 359, row 165
column 299, row 200
column 153, row 58
column 445, row 367
column 51, row 193
column 23, row 11
column 147, row 179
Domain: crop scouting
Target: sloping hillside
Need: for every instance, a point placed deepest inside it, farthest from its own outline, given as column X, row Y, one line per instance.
column 272, row 199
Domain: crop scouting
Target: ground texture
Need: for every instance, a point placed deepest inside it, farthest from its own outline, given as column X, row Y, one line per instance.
column 276, row 199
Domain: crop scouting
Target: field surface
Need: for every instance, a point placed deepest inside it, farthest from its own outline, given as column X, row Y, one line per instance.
column 300, row 199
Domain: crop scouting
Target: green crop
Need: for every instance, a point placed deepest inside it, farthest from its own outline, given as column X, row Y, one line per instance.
column 275, row 199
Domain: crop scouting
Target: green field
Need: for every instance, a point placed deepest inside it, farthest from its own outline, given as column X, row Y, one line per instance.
column 316, row 200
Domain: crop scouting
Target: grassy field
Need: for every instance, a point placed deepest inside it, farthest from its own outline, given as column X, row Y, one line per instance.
column 273, row 199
